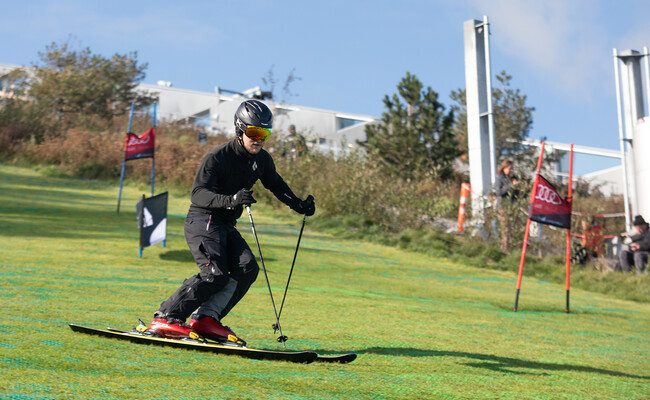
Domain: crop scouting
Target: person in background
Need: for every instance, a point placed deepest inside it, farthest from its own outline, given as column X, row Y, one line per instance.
column 639, row 248
column 591, row 242
column 503, row 190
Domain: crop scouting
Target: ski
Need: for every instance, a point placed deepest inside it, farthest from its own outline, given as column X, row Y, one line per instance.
column 339, row 358
column 304, row 357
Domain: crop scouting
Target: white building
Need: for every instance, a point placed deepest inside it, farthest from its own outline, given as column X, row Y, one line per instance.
column 330, row 130
column 609, row 181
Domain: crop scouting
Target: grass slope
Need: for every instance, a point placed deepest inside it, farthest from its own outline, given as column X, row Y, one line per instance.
column 423, row 327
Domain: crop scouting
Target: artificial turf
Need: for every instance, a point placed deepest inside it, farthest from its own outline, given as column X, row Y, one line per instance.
column 423, row 327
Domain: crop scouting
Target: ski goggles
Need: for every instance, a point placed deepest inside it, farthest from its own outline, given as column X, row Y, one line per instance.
column 257, row 133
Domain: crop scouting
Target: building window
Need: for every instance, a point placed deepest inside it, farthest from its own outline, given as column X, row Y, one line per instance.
column 342, row 123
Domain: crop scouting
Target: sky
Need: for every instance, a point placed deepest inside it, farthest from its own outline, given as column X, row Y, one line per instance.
column 349, row 54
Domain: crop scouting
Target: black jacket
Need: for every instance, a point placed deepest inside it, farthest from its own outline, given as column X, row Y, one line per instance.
column 502, row 187
column 643, row 239
column 229, row 168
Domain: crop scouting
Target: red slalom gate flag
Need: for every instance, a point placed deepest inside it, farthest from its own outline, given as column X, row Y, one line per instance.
column 548, row 207
column 139, row 146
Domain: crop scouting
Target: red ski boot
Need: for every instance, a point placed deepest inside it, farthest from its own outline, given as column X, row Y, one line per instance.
column 167, row 328
column 210, row 328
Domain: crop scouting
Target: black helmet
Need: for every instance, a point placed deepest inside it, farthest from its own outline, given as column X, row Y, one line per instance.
column 252, row 112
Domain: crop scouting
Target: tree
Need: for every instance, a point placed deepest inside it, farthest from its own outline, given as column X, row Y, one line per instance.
column 415, row 136
column 270, row 83
column 513, row 120
column 70, row 84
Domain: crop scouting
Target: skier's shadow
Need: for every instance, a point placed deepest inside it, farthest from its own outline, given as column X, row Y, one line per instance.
column 497, row 363
column 177, row 255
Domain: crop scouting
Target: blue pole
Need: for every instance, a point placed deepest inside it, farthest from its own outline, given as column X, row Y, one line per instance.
column 131, row 117
column 153, row 174
column 153, row 159
column 141, row 225
column 119, row 192
column 123, row 171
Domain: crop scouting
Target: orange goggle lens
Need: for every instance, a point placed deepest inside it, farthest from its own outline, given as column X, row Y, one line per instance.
column 257, row 133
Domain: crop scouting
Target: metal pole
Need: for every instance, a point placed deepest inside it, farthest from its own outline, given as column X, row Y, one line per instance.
column 141, row 226
column 276, row 326
column 153, row 174
column 131, row 117
column 155, row 106
column 119, row 191
column 646, row 63
column 295, row 254
column 123, row 170
column 621, row 136
column 153, row 158
column 488, row 84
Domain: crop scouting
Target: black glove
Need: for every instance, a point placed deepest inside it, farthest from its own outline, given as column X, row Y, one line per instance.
column 243, row 198
column 307, row 206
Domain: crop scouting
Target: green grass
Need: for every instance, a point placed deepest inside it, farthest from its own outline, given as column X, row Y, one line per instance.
column 473, row 251
column 424, row 327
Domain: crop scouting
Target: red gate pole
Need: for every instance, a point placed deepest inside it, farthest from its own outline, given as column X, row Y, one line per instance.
column 524, row 245
column 568, row 234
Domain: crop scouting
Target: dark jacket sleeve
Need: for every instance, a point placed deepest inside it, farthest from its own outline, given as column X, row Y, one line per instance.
column 206, row 179
column 274, row 182
column 644, row 242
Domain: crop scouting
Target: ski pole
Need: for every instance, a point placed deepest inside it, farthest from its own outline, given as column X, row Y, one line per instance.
column 282, row 339
column 295, row 254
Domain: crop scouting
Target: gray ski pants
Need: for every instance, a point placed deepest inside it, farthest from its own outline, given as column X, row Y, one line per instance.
column 636, row 258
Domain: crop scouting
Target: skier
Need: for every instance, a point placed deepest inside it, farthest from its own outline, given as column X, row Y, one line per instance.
column 227, row 267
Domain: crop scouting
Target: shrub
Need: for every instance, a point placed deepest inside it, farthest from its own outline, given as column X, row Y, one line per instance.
column 19, row 123
column 351, row 185
column 98, row 155
column 78, row 153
